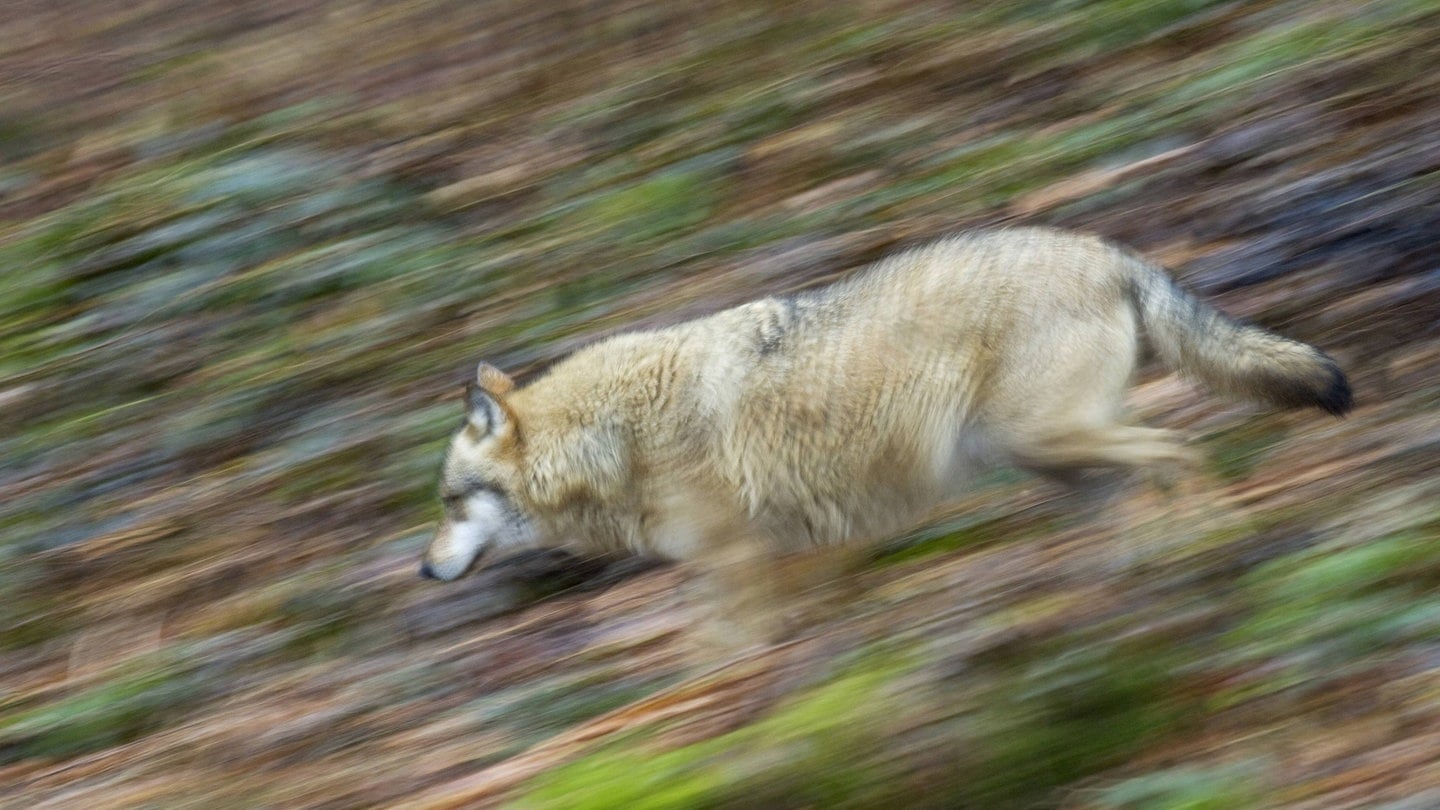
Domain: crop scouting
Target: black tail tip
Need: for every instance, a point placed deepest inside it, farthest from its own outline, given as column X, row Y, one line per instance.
column 1319, row 385
column 1337, row 399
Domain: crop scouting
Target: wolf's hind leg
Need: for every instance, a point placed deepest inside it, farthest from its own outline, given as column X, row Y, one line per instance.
column 1108, row 447
column 1095, row 463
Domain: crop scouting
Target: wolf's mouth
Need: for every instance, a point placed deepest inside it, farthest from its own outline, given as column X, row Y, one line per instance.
column 447, row 574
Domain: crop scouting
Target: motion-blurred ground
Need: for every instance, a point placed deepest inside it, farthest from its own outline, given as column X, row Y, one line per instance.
column 250, row 250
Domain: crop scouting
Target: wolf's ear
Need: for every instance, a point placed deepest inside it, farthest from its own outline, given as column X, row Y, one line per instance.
column 484, row 411
column 493, row 380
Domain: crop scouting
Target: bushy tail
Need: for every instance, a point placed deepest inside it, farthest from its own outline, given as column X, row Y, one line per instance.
column 1230, row 357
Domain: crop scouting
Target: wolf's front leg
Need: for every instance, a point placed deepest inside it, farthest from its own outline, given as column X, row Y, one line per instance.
column 738, row 592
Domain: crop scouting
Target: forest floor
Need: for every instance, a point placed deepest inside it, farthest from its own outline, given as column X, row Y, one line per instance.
column 252, row 250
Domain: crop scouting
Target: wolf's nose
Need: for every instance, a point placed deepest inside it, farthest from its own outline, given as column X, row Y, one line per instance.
column 426, row 571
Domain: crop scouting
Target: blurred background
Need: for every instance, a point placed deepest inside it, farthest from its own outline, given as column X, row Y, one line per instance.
column 250, row 251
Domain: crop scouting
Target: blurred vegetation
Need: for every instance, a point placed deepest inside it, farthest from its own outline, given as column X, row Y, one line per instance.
column 251, row 251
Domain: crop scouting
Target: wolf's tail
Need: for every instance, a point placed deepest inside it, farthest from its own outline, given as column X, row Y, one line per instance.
column 1230, row 357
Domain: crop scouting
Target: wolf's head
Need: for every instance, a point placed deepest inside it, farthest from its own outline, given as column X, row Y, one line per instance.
column 479, row 481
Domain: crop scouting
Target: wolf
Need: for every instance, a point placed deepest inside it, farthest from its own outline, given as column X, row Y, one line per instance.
column 843, row 415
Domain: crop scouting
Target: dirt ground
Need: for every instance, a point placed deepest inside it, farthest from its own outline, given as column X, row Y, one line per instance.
column 251, row 251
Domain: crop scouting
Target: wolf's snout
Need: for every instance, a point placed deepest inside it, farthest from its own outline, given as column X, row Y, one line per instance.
column 426, row 572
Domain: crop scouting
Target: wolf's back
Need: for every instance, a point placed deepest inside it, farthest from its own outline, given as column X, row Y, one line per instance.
column 1230, row 357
